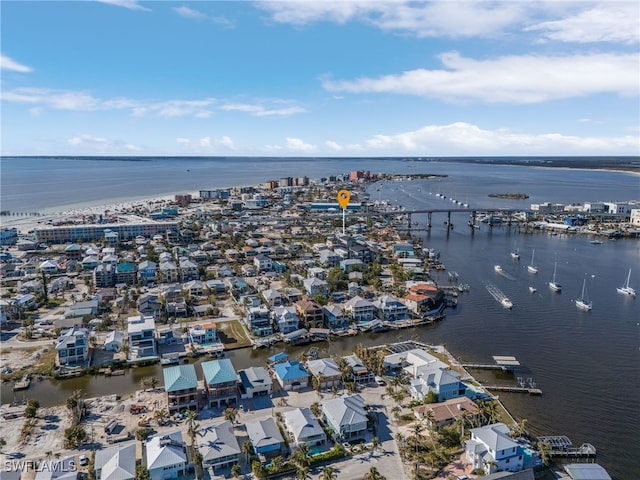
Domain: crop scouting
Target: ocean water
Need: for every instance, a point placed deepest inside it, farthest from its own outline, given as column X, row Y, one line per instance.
column 586, row 363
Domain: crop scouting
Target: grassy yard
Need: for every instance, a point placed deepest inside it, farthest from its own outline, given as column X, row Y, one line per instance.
column 233, row 334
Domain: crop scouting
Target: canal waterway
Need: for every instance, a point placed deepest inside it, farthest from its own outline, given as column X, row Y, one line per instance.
column 586, row 363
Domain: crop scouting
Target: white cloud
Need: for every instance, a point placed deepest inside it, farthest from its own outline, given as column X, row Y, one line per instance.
column 226, row 141
column 298, row 145
column 206, row 145
column 183, row 141
column 89, row 144
column 261, row 111
column 176, row 108
column 193, row 14
column 463, row 138
column 130, row 4
column 610, row 22
column 422, row 19
column 7, row 63
column 510, row 79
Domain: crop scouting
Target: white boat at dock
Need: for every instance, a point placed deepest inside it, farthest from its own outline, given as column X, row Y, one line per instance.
column 626, row 289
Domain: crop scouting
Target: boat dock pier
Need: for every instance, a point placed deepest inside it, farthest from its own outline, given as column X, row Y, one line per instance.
column 513, row 389
column 502, row 363
column 561, row 446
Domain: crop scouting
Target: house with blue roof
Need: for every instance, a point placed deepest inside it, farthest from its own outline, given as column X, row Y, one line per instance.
column 181, row 385
column 220, row 382
column 291, row 375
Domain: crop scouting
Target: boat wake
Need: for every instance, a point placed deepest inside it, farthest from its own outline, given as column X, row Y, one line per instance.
column 501, row 271
column 499, row 296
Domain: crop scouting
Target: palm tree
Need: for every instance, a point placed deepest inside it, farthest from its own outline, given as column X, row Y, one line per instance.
column 231, row 414
column 303, row 473
column 3, row 443
column 193, row 431
column 236, row 471
column 329, row 473
column 374, row 474
column 375, row 443
column 247, row 450
column 519, row 429
column 276, row 464
column 401, row 445
column 162, row 416
column 316, row 409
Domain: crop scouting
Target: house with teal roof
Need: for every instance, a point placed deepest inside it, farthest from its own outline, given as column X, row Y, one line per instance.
column 220, row 382
column 181, row 385
column 291, row 375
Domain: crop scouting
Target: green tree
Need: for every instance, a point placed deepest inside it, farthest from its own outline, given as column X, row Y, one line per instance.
column 303, row 473
column 316, row 409
column 142, row 434
column 231, row 414
column 236, row 471
column 374, row 474
column 247, row 450
column 74, row 436
column 258, row 469
column 31, row 410
column 329, row 473
column 142, row 473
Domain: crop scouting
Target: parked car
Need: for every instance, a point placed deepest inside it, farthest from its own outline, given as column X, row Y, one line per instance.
column 83, row 460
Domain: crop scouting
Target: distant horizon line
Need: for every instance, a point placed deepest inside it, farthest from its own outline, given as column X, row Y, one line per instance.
column 369, row 157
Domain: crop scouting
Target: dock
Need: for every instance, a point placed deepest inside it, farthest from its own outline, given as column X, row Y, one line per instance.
column 561, row 446
column 514, row 389
column 505, row 363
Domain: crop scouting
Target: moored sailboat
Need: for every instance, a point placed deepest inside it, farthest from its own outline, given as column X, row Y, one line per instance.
column 531, row 267
column 626, row 289
column 582, row 303
column 553, row 284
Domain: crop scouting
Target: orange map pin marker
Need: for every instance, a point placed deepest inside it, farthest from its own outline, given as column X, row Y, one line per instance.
column 343, row 198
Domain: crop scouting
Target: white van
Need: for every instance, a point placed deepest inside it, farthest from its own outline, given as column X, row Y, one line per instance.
column 380, row 381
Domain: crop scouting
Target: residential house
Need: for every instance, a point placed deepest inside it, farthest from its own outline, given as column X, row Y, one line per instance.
column 258, row 319
column 199, row 257
column 72, row 346
column 147, row 272
column 351, row 264
column 116, row 463
column 293, row 294
column 304, row 428
column 329, row 258
column 390, row 309
column 195, row 288
column 335, row 317
column 90, row 262
column 203, row 334
column 325, row 371
column 218, row 446
column 346, row 416
column 492, row 449
column 315, row 286
column 265, row 437
column 286, row 319
column 141, row 332
column 220, row 382
column 424, row 299
column 168, row 272
column 166, row 456
column 215, row 286
column 263, row 263
column 273, row 298
column 188, row 270
column 361, row 375
column 104, row 276
column 110, row 258
column 113, row 341
column 49, row 267
column 317, row 272
column 62, row 469
column 181, row 385
column 359, row 309
column 440, row 380
column 254, row 382
column 291, row 375
column 310, row 313
column 149, row 306
column 126, row 273
column 447, row 412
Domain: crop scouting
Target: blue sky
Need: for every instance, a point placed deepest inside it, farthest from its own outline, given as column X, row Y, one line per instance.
column 303, row 78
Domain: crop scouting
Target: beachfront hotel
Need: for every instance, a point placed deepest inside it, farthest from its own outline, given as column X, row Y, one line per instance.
column 125, row 231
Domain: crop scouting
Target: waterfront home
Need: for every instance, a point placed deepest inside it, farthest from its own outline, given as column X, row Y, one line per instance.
column 492, row 449
column 168, row 272
column 390, row 309
column 315, row 286
column 218, row 446
column 254, row 382
column 360, row 374
column 141, row 332
column 273, row 298
column 166, row 456
column 359, row 309
column 437, row 379
column 181, row 385
column 220, row 382
column 265, row 437
column 113, row 341
column 325, row 371
column 346, row 416
column 310, row 313
column 72, row 346
column 335, row 317
column 258, row 320
column 291, row 375
column 188, row 270
column 417, row 303
column 447, row 412
column 62, row 469
column 304, row 428
column 203, row 334
column 116, row 463
column 286, row 319
column 586, row 471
